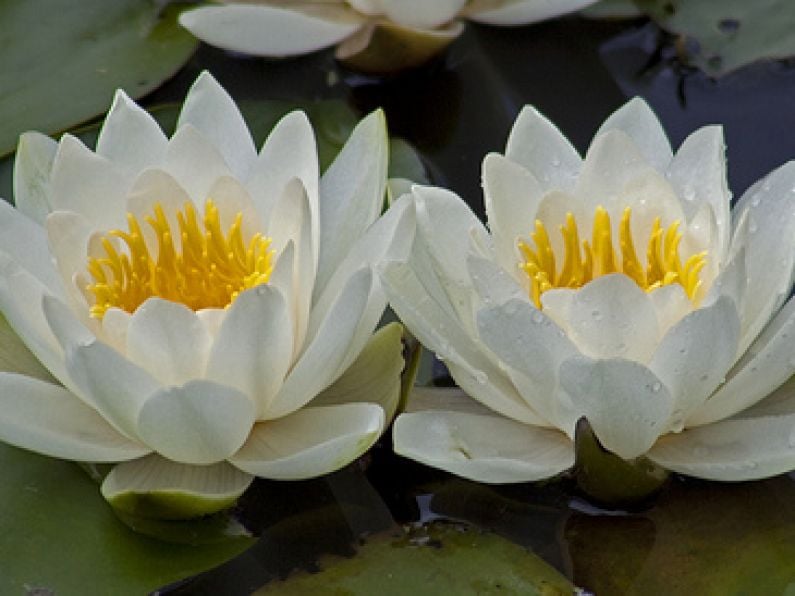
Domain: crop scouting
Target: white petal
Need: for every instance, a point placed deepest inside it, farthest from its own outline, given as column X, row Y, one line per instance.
column 422, row 399
column 195, row 163
column 130, row 137
column 320, row 362
column 374, row 376
column 521, row 12
column 492, row 283
column 525, row 339
column 210, row 109
column 421, row 13
column 670, row 305
column 68, row 235
column 113, row 328
column 171, row 489
column 624, row 401
column 25, row 241
column 310, row 442
column 698, row 174
column 512, row 195
column 200, row 422
column 731, row 450
column 611, row 317
column 168, row 340
column 254, row 347
column 695, row 354
column 770, row 247
column 15, row 357
column 538, row 145
column 768, row 363
column 270, row 30
column 47, row 419
column 32, row 167
column 732, row 282
column 637, row 120
column 232, row 199
column 483, row 448
column 351, row 193
column 440, row 332
column 88, row 184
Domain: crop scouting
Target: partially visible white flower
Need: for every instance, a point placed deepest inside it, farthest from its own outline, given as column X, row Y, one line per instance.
column 286, row 28
column 206, row 309
column 619, row 288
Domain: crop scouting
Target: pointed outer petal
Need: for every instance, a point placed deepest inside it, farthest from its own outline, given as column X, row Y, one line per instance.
column 732, row 281
column 290, row 151
column 512, row 195
column 390, row 238
column 352, row 193
column 68, row 234
column 484, row 448
column 194, row 162
column 528, row 341
column 21, row 304
column 176, row 490
column 89, row 184
column 269, row 30
column 254, row 347
column 103, row 378
column 698, row 175
column 47, row 419
column 611, row 317
column 626, row 404
column 310, row 442
column 521, row 12
column 731, row 450
column 32, row 167
column 319, row 364
column 291, row 223
column 374, row 376
column 538, row 145
column 113, row 329
column 25, row 242
column 210, row 109
column 421, row 13
column 168, row 341
column 670, row 305
column 694, row 356
column 200, row 422
column 155, row 186
column 768, row 363
column 491, row 282
column 439, row 331
column 770, row 247
column 638, row 121
column 130, row 137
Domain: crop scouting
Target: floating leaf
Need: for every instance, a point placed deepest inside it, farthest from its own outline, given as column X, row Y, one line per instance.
column 719, row 36
column 436, row 559
column 54, row 522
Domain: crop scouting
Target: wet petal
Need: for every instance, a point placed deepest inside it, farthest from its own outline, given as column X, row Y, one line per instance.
column 32, row 166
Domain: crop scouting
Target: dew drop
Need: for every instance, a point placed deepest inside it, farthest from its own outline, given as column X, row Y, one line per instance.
column 597, row 316
column 481, row 378
column 689, row 193
column 755, row 201
column 655, row 388
column 752, row 227
column 537, row 317
column 556, row 162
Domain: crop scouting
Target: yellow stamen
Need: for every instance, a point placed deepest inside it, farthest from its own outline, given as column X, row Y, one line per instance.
column 202, row 268
column 584, row 262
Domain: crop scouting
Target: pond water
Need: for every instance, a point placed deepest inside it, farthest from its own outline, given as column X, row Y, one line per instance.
column 694, row 537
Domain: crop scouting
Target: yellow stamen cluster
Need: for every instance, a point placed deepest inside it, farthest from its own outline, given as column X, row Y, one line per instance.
column 203, row 268
column 584, row 262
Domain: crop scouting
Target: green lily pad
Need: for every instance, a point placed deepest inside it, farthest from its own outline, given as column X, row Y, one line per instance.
column 63, row 60
column 719, row 36
column 436, row 559
column 54, row 522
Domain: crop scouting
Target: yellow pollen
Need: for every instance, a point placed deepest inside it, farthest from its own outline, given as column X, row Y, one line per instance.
column 202, row 268
column 583, row 262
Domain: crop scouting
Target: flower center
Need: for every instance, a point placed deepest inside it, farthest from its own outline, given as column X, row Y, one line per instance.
column 585, row 262
column 204, row 268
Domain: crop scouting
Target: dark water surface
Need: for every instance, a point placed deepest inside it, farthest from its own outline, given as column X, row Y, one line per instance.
column 698, row 537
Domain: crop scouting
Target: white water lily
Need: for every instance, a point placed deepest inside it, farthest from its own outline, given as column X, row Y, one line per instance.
column 276, row 28
column 620, row 288
column 202, row 313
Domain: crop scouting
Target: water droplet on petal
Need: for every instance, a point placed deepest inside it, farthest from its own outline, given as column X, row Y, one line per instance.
column 537, row 317
column 656, row 387
column 481, row 378
column 596, row 315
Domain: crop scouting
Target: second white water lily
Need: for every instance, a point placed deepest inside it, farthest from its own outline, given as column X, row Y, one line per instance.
column 619, row 288
column 202, row 313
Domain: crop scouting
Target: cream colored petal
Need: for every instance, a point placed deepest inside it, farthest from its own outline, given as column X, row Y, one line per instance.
column 25, row 242
column 484, row 448
column 521, row 12
column 32, row 167
column 195, row 163
column 421, row 13
column 272, row 31
column 156, row 487
column 310, row 442
column 210, row 109
column 47, row 419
